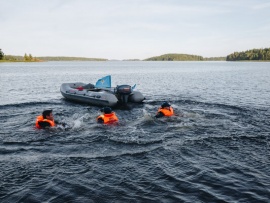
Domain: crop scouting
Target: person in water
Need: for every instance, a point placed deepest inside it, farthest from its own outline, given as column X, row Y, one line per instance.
column 164, row 110
column 47, row 120
column 108, row 116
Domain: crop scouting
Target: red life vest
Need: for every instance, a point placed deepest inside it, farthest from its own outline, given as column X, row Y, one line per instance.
column 41, row 119
column 108, row 118
column 166, row 112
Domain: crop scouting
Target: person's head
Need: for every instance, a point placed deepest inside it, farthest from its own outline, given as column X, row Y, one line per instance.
column 107, row 110
column 47, row 114
column 165, row 105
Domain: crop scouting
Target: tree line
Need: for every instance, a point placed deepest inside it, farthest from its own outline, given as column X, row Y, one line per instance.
column 1, row 54
column 175, row 57
column 250, row 55
column 66, row 58
column 25, row 58
column 30, row 58
column 183, row 57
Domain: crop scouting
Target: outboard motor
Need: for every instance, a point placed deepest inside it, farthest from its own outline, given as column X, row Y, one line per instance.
column 123, row 92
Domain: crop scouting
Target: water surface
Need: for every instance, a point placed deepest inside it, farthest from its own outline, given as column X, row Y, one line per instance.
column 216, row 148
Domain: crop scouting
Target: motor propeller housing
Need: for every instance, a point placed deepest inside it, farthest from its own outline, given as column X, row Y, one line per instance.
column 123, row 92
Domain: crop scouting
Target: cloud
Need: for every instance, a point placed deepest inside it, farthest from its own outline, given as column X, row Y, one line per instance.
column 262, row 6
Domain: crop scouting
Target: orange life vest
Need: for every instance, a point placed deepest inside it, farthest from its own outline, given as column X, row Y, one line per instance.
column 166, row 112
column 108, row 118
column 41, row 119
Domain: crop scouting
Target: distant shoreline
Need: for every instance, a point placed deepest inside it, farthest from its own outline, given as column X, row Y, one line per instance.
column 9, row 61
column 253, row 55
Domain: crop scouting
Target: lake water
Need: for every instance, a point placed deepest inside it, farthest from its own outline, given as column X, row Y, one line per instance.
column 216, row 148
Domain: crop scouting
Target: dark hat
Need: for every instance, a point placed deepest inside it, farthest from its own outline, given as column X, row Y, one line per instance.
column 107, row 110
column 165, row 104
column 46, row 113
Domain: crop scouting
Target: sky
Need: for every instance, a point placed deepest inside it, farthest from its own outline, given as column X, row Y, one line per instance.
column 133, row 29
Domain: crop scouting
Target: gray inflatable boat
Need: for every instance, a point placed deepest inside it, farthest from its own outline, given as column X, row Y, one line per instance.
column 100, row 96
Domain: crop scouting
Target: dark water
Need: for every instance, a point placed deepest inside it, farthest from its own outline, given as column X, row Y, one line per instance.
column 215, row 150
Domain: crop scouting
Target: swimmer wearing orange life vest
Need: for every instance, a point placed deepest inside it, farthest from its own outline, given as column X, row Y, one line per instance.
column 164, row 110
column 108, row 116
column 46, row 120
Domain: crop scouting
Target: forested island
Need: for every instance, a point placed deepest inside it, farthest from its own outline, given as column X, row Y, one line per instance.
column 249, row 55
column 183, row 57
column 175, row 57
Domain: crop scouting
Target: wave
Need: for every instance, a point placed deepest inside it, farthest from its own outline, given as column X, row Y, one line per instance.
column 26, row 104
column 196, row 103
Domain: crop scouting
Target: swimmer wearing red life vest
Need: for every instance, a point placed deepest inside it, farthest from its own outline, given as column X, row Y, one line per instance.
column 108, row 116
column 165, row 110
column 46, row 120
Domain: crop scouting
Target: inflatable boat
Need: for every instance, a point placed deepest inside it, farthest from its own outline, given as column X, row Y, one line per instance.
column 101, row 94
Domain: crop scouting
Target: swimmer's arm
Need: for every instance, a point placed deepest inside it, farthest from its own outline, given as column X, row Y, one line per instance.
column 159, row 115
